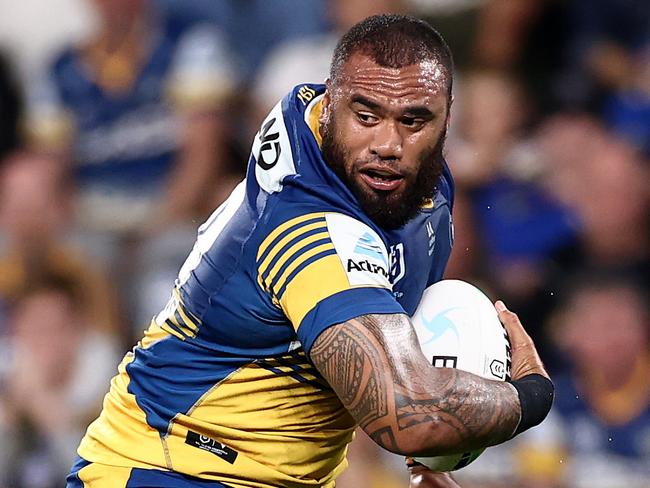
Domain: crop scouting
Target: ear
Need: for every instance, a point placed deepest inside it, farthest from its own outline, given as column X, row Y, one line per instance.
column 448, row 121
column 327, row 100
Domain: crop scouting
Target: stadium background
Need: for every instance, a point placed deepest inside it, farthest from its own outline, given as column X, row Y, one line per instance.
column 549, row 144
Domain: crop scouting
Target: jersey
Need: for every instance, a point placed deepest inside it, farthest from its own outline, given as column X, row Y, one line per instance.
column 221, row 386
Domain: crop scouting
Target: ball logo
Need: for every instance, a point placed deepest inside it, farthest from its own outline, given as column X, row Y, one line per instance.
column 498, row 369
column 439, row 325
column 444, row 361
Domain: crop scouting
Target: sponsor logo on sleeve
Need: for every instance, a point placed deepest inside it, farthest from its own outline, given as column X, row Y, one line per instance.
column 362, row 252
column 368, row 245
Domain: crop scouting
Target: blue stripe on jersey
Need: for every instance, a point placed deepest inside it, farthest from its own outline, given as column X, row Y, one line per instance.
column 344, row 306
column 295, row 375
column 302, row 266
column 280, row 253
column 283, row 234
column 284, row 361
column 294, row 257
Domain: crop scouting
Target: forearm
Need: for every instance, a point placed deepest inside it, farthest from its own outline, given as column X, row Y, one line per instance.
column 403, row 403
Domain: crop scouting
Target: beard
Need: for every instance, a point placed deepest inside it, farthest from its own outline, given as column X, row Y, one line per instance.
column 388, row 209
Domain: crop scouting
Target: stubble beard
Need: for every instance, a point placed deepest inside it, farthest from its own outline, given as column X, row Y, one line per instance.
column 389, row 210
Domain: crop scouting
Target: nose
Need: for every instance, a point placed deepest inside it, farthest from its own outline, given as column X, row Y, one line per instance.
column 387, row 142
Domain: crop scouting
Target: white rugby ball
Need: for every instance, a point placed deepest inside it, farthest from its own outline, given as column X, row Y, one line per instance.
column 458, row 327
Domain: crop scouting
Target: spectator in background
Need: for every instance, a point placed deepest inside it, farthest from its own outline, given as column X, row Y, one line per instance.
column 598, row 435
column 140, row 112
column 606, row 36
column 604, row 180
column 136, row 110
column 627, row 112
column 56, row 376
column 34, row 238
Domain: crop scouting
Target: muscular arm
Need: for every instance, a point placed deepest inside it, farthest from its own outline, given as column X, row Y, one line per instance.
column 376, row 367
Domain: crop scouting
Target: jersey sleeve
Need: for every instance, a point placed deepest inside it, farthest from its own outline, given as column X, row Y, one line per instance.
column 322, row 269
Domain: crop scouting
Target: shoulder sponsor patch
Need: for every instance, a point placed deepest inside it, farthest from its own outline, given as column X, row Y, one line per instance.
column 361, row 250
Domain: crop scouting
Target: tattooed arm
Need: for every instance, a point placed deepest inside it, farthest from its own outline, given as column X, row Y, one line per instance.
column 375, row 365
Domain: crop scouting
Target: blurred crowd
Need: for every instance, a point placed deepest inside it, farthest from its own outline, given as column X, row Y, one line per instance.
column 123, row 123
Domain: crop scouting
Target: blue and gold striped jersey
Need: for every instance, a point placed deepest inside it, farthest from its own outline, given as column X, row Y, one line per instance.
column 221, row 386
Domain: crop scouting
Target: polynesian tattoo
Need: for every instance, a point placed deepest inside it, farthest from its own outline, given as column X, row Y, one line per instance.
column 376, row 367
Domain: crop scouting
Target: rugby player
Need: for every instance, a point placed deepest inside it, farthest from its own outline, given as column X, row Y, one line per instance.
column 288, row 325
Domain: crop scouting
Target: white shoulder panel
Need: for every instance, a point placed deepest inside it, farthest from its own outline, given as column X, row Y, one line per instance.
column 272, row 152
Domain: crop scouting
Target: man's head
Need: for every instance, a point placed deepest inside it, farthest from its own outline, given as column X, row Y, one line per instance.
column 385, row 114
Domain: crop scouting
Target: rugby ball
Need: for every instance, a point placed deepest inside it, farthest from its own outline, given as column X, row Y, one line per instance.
column 458, row 327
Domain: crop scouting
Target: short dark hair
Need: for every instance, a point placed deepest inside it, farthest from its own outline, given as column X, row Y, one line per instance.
column 393, row 41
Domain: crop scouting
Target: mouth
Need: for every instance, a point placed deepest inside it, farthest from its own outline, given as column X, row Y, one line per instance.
column 381, row 179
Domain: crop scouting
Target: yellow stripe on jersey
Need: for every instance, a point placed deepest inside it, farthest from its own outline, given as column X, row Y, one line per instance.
column 319, row 280
column 289, row 253
column 171, row 330
column 296, row 253
column 281, row 228
column 190, row 319
column 274, row 257
column 187, row 321
column 298, row 261
column 181, row 323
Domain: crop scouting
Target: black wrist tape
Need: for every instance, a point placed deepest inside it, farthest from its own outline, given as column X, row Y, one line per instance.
column 536, row 394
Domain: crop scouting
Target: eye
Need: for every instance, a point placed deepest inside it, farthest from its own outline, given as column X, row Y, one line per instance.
column 366, row 118
column 415, row 123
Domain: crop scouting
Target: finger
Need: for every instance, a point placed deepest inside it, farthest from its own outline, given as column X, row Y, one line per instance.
column 516, row 332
